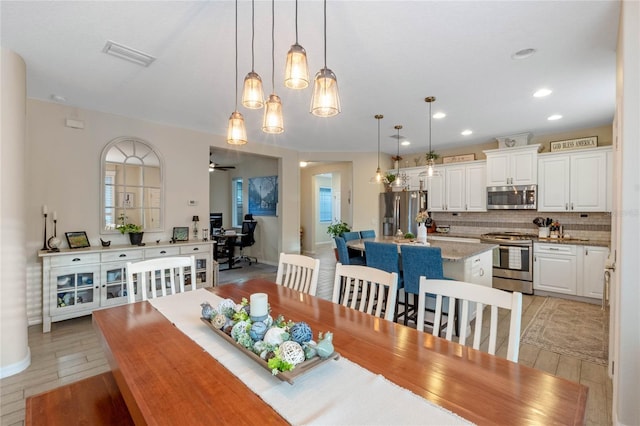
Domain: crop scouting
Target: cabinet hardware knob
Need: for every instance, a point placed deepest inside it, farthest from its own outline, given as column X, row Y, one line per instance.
column 123, row 255
column 76, row 259
column 554, row 248
column 566, row 206
column 196, row 249
column 481, row 273
column 163, row 252
column 571, row 206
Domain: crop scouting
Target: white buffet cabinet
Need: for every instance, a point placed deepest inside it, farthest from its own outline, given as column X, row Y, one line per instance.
column 77, row 281
column 569, row 269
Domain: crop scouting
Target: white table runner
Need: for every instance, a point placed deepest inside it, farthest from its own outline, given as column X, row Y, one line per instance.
column 337, row 392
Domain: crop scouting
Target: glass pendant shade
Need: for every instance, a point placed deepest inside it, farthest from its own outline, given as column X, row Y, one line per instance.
column 273, row 121
column 252, row 94
column 296, row 73
column 378, row 177
column 236, row 133
column 430, row 167
column 325, row 101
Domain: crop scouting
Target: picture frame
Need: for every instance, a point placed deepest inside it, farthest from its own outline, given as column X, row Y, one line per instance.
column 180, row 233
column 573, row 144
column 263, row 195
column 77, row 239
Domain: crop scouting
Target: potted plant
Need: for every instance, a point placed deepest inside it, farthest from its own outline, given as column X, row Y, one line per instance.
column 135, row 231
column 431, row 155
column 337, row 229
column 390, row 178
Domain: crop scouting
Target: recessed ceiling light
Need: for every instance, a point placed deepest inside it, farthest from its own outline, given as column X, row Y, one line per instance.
column 523, row 54
column 438, row 115
column 303, row 164
column 554, row 117
column 466, row 132
column 58, row 98
column 405, row 143
column 541, row 93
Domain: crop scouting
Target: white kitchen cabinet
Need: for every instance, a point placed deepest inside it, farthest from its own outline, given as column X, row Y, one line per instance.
column 457, row 188
column 569, row 269
column 75, row 282
column 591, row 279
column 476, row 269
column 555, row 268
column 575, row 181
column 512, row 166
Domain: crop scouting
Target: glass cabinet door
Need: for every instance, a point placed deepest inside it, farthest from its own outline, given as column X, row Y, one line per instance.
column 74, row 289
column 201, row 272
column 114, row 285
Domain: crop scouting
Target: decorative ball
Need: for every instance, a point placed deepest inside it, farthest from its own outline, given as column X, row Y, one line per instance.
column 207, row 310
column 291, row 352
column 227, row 307
column 258, row 330
column 273, row 336
column 219, row 321
column 239, row 329
column 301, row 332
column 54, row 243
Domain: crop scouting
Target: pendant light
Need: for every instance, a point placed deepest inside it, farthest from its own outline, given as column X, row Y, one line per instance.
column 296, row 73
column 325, row 101
column 431, row 171
column 252, row 94
column 273, row 121
column 378, row 177
column 236, row 132
column 398, row 182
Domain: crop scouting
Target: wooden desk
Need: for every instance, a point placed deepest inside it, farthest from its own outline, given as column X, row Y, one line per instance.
column 227, row 242
column 166, row 378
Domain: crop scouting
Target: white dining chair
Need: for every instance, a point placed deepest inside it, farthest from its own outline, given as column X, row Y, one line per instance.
column 160, row 274
column 366, row 289
column 467, row 293
column 298, row 272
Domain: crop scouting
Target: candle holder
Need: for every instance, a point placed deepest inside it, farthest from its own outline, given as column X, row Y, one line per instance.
column 44, row 242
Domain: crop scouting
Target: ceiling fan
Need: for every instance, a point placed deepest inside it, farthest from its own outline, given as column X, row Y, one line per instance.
column 215, row 166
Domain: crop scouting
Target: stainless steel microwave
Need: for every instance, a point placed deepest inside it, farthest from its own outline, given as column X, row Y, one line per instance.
column 513, row 197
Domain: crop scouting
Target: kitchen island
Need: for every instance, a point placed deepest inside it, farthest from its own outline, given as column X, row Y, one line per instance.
column 462, row 261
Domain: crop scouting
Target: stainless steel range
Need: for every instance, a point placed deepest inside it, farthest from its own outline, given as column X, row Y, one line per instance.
column 512, row 260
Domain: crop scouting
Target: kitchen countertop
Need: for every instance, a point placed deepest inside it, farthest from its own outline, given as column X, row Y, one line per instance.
column 573, row 241
column 451, row 251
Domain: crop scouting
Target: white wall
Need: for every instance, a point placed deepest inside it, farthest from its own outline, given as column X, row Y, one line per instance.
column 626, row 381
column 64, row 173
column 14, row 350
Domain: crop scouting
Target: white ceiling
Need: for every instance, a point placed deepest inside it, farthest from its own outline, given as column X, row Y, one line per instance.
column 388, row 56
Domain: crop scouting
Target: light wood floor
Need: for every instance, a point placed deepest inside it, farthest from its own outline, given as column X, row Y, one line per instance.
column 72, row 352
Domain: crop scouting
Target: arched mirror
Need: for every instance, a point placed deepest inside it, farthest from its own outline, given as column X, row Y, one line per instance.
column 132, row 185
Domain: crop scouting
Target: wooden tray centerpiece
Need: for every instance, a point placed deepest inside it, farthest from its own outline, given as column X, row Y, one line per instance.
column 284, row 348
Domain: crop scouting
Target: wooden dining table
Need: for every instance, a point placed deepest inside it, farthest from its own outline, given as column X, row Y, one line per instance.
column 166, row 378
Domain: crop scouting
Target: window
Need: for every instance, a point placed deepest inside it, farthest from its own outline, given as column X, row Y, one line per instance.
column 324, row 204
column 109, row 200
column 236, row 207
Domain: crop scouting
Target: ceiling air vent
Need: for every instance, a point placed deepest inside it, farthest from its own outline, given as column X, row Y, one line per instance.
column 128, row 54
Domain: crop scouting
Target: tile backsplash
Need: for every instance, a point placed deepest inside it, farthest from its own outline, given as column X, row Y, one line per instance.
column 592, row 226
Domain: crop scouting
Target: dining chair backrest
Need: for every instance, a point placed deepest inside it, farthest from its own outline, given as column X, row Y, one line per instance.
column 298, row 272
column 368, row 233
column 352, row 235
column 153, row 275
column 343, row 253
column 366, row 289
column 467, row 293
column 420, row 261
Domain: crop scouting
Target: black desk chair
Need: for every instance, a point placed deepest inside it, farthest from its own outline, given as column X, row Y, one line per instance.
column 246, row 240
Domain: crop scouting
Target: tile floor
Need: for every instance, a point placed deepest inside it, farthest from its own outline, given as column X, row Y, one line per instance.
column 72, row 352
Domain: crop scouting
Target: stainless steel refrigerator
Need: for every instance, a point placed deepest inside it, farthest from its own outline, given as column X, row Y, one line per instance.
column 398, row 210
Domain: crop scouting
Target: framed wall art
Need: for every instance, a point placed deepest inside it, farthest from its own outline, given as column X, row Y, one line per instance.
column 77, row 239
column 263, row 195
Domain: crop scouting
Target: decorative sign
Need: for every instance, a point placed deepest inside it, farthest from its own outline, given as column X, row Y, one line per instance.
column 458, row 158
column 571, row 144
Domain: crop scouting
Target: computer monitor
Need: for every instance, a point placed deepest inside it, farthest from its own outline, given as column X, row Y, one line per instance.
column 215, row 220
